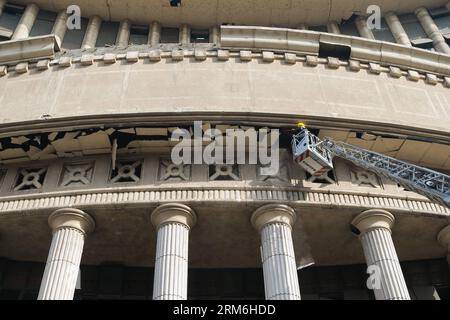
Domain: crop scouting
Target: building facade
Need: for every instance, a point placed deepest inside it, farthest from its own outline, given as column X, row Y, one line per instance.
column 93, row 205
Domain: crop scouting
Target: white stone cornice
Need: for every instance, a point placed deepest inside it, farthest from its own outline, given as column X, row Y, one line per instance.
column 71, row 218
column 373, row 219
column 273, row 213
column 173, row 213
column 142, row 197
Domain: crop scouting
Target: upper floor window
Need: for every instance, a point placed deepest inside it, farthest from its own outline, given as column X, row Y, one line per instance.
column 9, row 20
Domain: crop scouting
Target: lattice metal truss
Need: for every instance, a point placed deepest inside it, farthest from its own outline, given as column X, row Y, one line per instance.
column 432, row 184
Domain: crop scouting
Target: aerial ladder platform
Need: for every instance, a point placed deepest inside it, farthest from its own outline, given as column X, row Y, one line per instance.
column 316, row 157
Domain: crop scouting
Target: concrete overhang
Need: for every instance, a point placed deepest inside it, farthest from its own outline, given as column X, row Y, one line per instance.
column 200, row 13
column 29, row 49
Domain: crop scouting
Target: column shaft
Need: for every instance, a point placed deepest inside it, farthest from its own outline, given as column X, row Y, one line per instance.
column 123, row 36
column 70, row 227
column 432, row 30
column 60, row 26
column 173, row 222
column 2, row 4
column 279, row 266
column 396, row 28
column 154, row 35
column 91, row 35
column 444, row 239
column 214, row 34
column 26, row 22
column 332, row 27
column 185, row 34
column 379, row 250
column 63, row 264
column 171, row 266
column 363, row 29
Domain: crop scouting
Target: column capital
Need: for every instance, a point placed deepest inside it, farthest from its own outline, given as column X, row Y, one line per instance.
column 71, row 218
column 373, row 219
column 273, row 213
column 173, row 212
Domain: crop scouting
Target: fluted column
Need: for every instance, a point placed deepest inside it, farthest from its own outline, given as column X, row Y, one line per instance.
column 375, row 235
column 91, row 35
column 274, row 222
column 396, row 28
column 123, row 36
column 70, row 228
column 432, row 30
column 333, row 27
column 173, row 222
column 185, row 34
column 60, row 26
column 154, row 35
column 214, row 34
column 2, row 4
column 26, row 22
column 444, row 239
column 363, row 29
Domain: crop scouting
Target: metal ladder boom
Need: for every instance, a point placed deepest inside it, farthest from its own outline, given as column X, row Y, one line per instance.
column 432, row 184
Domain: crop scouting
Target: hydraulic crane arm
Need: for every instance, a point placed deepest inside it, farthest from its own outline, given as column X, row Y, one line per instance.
column 311, row 153
column 431, row 184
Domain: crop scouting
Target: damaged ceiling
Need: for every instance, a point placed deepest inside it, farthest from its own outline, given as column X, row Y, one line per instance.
column 133, row 140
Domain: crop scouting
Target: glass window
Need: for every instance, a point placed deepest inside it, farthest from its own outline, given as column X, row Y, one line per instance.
column 170, row 35
column 43, row 24
column 138, row 35
column 74, row 38
column 108, row 34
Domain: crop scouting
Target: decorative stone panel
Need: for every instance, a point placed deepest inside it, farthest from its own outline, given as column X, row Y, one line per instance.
column 224, row 172
column 364, row 178
column 126, row 171
column 168, row 171
column 32, row 178
column 77, row 174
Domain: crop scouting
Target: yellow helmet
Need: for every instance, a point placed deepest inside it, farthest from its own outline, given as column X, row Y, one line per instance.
column 301, row 125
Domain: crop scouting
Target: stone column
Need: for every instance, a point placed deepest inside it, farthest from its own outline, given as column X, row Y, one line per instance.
column 363, row 29
column 302, row 26
column 432, row 30
column 274, row 222
column 396, row 28
column 154, row 35
column 2, row 4
column 60, row 26
column 173, row 222
column 91, row 35
column 70, row 228
column 185, row 34
column 374, row 228
column 123, row 36
column 444, row 239
column 26, row 22
column 214, row 34
column 333, row 27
